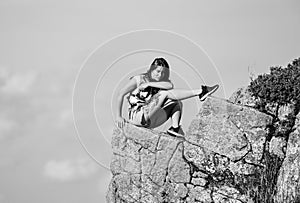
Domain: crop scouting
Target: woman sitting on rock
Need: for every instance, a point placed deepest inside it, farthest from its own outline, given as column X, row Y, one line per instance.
column 153, row 100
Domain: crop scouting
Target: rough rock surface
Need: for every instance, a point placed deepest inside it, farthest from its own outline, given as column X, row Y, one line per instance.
column 217, row 160
column 283, row 149
column 243, row 97
column 288, row 185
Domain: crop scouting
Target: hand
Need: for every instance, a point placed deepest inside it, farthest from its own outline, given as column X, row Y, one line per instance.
column 120, row 121
column 143, row 86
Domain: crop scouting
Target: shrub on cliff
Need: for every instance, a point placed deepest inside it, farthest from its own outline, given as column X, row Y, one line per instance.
column 278, row 88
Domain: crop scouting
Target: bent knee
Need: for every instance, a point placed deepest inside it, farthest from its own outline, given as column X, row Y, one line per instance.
column 173, row 104
column 178, row 104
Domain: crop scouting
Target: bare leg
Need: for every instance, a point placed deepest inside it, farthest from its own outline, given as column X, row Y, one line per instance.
column 174, row 111
column 181, row 94
column 170, row 109
column 174, row 94
column 176, row 116
column 156, row 105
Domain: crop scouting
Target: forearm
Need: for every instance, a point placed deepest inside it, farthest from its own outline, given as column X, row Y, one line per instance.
column 161, row 85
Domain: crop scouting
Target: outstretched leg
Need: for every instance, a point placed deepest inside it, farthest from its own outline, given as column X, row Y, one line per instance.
column 162, row 96
column 179, row 94
column 174, row 94
column 174, row 110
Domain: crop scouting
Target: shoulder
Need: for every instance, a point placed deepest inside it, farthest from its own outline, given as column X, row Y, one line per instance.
column 136, row 78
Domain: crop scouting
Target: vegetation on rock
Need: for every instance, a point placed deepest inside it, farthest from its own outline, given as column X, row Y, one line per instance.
column 276, row 90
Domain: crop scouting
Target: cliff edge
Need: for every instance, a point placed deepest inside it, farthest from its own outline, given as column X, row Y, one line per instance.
column 219, row 160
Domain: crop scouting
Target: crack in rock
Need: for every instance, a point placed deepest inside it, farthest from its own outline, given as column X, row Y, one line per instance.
column 219, row 159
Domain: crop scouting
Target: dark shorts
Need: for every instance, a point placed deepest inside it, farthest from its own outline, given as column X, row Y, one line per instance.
column 139, row 116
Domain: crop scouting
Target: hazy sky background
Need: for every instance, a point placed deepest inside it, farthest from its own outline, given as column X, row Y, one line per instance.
column 44, row 44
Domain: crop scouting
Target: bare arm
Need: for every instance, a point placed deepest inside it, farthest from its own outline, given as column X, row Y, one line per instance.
column 129, row 87
column 162, row 85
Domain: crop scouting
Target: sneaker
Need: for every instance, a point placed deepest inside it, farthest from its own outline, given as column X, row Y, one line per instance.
column 206, row 91
column 175, row 131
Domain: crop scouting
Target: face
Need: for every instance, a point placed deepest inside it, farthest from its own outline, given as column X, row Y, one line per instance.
column 158, row 73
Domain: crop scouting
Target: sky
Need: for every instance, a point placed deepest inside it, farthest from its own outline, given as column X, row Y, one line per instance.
column 65, row 60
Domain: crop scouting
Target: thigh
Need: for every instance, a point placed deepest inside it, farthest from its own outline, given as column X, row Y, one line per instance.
column 137, row 118
column 155, row 102
column 163, row 113
column 171, row 106
column 158, row 118
column 155, row 105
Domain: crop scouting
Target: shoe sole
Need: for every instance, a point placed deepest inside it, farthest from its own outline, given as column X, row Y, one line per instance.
column 172, row 133
column 209, row 93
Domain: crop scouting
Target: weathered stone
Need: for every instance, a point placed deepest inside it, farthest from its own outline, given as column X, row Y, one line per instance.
column 277, row 146
column 146, row 138
column 195, row 155
column 199, row 174
column 127, row 191
column 199, row 194
column 124, row 146
column 181, row 190
column 148, row 160
column 121, row 164
column 243, row 97
column 199, row 181
column 240, row 168
column 257, row 141
column 178, row 169
column 223, row 144
column 227, row 194
column 288, row 182
column 284, row 111
column 165, row 150
column 230, row 130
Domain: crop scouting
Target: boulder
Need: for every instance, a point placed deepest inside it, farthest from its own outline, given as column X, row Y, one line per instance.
column 219, row 156
column 288, row 182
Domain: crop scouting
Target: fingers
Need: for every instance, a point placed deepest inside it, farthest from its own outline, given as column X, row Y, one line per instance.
column 120, row 123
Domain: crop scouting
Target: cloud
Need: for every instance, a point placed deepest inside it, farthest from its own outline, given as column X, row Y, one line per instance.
column 17, row 83
column 104, row 181
column 69, row 170
column 6, row 126
column 65, row 117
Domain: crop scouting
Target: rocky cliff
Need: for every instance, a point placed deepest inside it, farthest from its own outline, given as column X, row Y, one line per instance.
column 288, row 183
column 222, row 158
